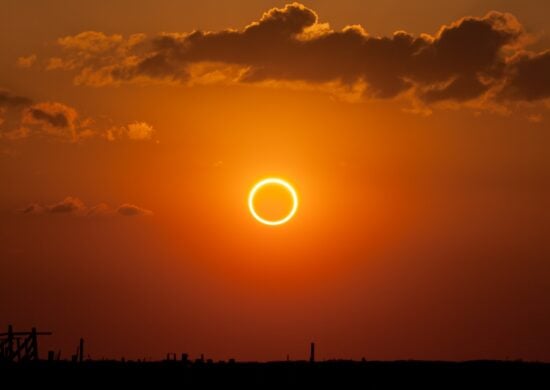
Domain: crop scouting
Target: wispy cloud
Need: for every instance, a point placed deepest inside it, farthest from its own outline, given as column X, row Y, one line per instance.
column 26, row 62
column 130, row 210
column 75, row 207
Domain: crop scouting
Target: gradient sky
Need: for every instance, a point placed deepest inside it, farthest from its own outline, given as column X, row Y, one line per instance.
column 128, row 146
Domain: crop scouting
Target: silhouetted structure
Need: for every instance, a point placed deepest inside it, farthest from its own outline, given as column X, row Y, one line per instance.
column 81, row 351
column 17, row 348
column 79, row 356
column 172, row 356
column 20, row 346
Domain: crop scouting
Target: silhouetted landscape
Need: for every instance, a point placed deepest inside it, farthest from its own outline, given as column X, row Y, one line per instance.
column 333, row 373
column 19, row 357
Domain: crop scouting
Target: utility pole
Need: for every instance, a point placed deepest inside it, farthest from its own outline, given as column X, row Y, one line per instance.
column 81, row 351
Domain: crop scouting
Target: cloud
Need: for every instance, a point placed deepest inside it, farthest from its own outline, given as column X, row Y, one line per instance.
column 529, row 77
column 55, row 115
column 76, row 207
column 101, row 209
column 21, row 118
column 91, row 41
column 140, row 131
column 136, row 131
column 26, row 62
column 56, row 120
column 130, row 210
column 8, row 100
column 467, row 60
column 11, row 107
column 33, row 208
column 95, row 55
column 69, row 205
column 535, row 118
column 17, row 133
column 46, row 118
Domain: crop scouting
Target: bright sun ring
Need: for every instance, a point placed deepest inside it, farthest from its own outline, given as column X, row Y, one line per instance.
column 277, row 181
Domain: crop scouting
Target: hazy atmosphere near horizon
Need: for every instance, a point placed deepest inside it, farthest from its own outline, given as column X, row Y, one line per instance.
column 241, row 178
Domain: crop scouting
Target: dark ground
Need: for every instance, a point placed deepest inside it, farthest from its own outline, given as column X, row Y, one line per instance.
column 326, row 374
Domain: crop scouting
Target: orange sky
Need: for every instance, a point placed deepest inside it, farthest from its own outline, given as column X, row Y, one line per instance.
column 421, row 163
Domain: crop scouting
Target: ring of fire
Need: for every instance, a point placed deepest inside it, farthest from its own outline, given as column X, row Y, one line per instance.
column 276, row 181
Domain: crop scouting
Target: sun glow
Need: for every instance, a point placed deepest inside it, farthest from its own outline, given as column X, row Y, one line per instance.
column 273, row 181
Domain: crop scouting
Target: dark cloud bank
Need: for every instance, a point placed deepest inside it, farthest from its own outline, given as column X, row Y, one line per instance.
column 481, row 58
